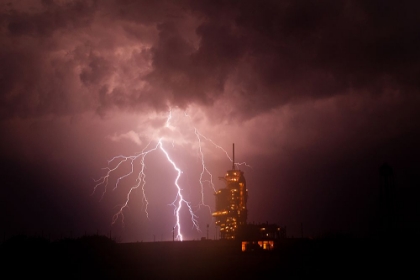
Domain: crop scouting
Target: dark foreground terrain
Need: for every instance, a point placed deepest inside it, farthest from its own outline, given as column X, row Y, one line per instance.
column 97, row 257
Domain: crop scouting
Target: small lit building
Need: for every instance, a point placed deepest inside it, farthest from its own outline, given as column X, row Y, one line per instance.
column 260, row 236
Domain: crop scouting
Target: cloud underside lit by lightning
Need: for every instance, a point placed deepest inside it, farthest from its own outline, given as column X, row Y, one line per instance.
column 179, row 201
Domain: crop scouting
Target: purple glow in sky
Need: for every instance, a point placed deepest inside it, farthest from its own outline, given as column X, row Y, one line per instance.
column 315, row 95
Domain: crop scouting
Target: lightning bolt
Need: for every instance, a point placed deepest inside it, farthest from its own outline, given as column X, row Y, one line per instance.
column 179, row 198
column 219, row 147
column 140, row 182
column 203, row 171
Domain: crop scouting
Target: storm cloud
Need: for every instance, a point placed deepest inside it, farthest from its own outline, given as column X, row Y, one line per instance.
column 319, row 93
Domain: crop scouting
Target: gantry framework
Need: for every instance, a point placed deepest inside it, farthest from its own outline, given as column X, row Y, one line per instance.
column 231, row 210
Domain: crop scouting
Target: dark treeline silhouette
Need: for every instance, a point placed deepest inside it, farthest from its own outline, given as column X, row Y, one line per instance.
column 23, row 255
column 98, row 257
column 388, row 252
column 398, row 208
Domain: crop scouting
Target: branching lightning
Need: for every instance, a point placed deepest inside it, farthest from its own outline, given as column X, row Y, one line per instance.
column 203, row 171
column 217, row 146
column 179, row 198
column 179, row 201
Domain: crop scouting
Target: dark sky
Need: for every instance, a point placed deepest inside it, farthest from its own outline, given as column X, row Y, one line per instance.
column 316, row 96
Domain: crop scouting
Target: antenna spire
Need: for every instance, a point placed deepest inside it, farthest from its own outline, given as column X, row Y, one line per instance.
column 233, row 158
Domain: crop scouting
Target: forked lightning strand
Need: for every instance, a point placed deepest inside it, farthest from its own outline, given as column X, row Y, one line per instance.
column 179, row 199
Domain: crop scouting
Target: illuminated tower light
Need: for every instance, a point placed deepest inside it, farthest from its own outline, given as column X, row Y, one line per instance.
column 231, row 202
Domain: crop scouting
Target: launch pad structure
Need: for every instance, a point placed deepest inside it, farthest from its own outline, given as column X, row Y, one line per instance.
column 231, row 211
column 231, row 214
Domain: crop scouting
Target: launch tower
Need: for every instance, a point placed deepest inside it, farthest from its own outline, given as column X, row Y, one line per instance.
column 231, row 210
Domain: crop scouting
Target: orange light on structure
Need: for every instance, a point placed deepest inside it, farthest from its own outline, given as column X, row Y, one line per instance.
column 257, row 245
column 231, row 210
